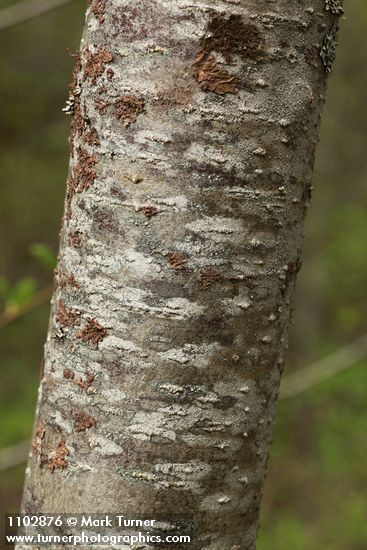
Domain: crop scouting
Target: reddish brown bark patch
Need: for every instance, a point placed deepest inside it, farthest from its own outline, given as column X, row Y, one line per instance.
column 91, row 137
column 66, row 317
column 105, row 220
column 212, row 77
column 208, row 276
column 82, row 176
column 232, row 36
column 95, row 63
column 42, row 368
column 66, row 279
column 92, row 333
column 83, row 422
column 76, row 70
column 77, row 123
column 176, row 261
column 83, row 172
column 98, row 9
column 101, row 106
column 128, row 108
column 148, row 211
column 227, row 37
column 117, row 192
column 71, row 281
column 75, row 239
column 58, row 459
column 37, row 440
column 68, row 374
column 85, row 384
column 179, row 94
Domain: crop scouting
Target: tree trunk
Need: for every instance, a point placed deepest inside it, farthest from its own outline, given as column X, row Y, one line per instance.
column 193, row 137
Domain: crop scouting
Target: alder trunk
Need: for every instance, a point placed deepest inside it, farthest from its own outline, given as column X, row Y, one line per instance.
column 192, row 146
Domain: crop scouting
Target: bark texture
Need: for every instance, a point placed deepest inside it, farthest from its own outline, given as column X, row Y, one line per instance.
column 193, row 137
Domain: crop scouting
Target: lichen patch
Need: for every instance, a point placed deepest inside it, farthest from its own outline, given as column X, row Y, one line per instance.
column 334, row 6
column 328, row 48
column 128, row 108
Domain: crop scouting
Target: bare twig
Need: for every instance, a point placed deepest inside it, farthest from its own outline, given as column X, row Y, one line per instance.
column 323, row 369
column 14, row 455
column 41, row 297
column 27, row 9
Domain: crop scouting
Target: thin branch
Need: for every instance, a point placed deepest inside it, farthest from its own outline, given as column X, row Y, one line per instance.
column 41, row 297
column 325, row 368
column 14, row 455
column 25, row 10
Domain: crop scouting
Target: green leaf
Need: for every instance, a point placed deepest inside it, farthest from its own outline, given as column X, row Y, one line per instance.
column 43, row 254
column 21, row 293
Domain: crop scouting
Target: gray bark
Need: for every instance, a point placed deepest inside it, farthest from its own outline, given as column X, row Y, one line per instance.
column 193, row 138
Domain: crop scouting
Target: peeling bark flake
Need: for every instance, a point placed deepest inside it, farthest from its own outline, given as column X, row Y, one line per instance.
column 212, row 77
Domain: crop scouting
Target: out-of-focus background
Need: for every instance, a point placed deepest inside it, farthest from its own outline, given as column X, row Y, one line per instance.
column 315, row 496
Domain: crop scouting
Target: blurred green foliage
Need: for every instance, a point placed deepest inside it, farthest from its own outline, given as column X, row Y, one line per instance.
column 13, row 297
column 315, row 493
column 18, row 295
column 43, row 254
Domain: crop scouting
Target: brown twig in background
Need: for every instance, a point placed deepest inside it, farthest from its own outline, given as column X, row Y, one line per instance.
column 14, row 455
column 41, row 297
column 325, row 368
column 25, row 10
